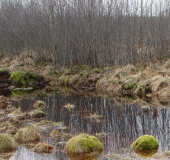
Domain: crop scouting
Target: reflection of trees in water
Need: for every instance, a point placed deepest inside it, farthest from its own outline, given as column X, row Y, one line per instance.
column 123, row 123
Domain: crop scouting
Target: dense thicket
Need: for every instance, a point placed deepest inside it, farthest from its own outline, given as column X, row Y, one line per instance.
column 93, row 32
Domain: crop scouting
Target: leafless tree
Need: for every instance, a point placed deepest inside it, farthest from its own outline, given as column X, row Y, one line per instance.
column 96, row 33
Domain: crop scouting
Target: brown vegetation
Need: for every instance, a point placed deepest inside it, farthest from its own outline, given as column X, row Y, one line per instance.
column 7, row 143
column 43, row 148
column 29, row 134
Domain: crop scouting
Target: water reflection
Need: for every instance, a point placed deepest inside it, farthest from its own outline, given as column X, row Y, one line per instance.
column 123, row 124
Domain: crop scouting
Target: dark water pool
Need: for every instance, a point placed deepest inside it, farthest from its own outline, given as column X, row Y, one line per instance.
column 123, row 124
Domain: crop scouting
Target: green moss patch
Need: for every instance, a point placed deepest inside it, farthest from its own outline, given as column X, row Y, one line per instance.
column 145, row 142
column 23, row 79
column 128, row 85
column 83, row 143
column 7, row 143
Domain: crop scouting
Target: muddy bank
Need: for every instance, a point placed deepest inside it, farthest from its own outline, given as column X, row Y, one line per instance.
column 18, row 83
column 141, row 83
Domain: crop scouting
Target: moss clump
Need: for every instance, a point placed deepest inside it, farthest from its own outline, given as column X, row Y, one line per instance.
column 7, row 143
column 28, row 134
column 83, row 143
column 18, row 79
column 23, row 79
column 145, row 142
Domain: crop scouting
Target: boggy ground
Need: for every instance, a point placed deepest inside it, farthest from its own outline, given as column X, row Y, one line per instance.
column 146, row 84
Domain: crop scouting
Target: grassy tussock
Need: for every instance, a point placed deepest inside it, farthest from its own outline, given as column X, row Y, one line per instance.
column 39, row 104
column 28, row 134
column 160, row 83
column 83, row 143
column 129, row 69
column 7, row 143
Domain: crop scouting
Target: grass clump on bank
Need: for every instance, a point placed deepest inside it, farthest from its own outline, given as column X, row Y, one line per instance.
column 29, row 134
column 83, row 143
column 7, row 143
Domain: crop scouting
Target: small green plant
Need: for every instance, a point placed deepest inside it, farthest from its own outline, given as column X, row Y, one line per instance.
column 128, row 86
column 66, row 81
column 18, row 79
column 83, row 67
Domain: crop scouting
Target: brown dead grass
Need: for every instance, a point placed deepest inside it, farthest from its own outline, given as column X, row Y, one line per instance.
column 29, row 134
column 43, row 148
column 167, row 65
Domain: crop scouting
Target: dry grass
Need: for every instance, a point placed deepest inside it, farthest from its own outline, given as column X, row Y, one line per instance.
column 7, row 143
column 164, row 94
column 54, row 134
column 29, row 134
column 127, row 70
column 69, row 106
column 167, row 64
column 39, row 104
column 94, row 117
column 43, row 148
column 160, row 83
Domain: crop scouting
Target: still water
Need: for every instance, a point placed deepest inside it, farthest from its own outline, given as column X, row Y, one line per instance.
column 122, row 125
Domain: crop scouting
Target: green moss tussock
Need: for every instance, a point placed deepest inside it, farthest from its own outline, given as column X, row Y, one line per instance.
column 83, row 143
column 23, row 79
column 145, row 142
